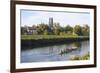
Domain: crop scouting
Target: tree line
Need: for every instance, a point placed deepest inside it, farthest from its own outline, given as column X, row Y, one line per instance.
column 56, row 29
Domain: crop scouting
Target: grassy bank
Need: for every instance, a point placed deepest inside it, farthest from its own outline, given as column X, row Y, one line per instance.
column 32, row 41
column 84, row 57
column 39, row 37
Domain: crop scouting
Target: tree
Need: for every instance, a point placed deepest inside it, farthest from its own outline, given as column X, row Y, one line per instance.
column 24, row 29
column 41, row 28
column 56, row 28
column 57, row 31
column 78, row 30
column 85, row 30
column 46, row 32
column 69, row 29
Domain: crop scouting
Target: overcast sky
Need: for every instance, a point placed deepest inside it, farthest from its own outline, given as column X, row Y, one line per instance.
column 31, row 17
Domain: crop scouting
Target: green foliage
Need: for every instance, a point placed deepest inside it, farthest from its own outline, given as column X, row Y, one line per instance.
column 85, row 30
column 78, row 30
column 56, row 31
column 76, row 58
column 63, row 33
column 77, row 44
column 23, row 31
column 41, row 28
column 84, row 57
column 46, row 32
column 37, row 37
column 69, row 29
column 44, row 29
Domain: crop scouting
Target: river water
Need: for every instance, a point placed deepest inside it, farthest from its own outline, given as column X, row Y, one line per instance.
column 63, row 52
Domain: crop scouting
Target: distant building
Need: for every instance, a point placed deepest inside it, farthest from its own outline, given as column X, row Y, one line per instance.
column 31, row 30
column 51, row 22
column 28, row 30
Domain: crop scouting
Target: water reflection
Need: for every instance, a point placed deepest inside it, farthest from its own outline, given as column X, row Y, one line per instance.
column 75, row 46
column 55, row 53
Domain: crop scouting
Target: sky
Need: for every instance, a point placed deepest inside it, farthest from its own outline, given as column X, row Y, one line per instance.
column 33, row 17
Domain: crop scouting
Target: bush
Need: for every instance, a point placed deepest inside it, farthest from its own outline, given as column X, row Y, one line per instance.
column 84, row 57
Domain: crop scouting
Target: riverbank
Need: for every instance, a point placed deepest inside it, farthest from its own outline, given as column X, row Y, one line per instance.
column 32, row 41
column 84, row 57
column 41, row 37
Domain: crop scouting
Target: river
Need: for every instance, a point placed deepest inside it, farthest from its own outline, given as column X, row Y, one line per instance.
column 63, row 52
